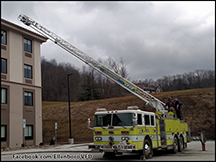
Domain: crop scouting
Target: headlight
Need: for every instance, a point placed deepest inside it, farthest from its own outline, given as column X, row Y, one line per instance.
column 125, row 138
column 98, row 138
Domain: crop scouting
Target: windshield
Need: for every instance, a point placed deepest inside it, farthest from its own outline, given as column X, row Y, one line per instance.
column 121, row 119
column 102, row 120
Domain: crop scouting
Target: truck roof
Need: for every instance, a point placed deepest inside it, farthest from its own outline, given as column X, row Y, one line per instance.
column 123, row 111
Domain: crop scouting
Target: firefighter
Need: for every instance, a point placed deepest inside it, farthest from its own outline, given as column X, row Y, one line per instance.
column 170, row 105
column 178, row 106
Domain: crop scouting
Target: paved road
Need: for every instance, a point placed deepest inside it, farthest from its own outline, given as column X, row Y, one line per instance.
column 81, row 152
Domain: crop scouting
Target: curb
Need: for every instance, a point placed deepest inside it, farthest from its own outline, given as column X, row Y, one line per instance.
column 59, row 148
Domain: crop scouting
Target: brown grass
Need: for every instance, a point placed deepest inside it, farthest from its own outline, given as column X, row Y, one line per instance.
column 198, row 110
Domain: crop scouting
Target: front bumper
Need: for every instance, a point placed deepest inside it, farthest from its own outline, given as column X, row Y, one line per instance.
column 121, row 147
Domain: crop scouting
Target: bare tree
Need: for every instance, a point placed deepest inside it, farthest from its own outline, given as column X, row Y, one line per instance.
column 89, row 84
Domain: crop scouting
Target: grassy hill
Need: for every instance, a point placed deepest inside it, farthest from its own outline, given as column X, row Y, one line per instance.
column 198, row 110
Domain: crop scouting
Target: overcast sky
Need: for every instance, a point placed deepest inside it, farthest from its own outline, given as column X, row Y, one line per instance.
column 155, row 39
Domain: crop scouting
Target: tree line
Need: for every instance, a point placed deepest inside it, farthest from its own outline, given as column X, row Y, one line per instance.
column 88, row 84
column 198, row 79
column 85, row 84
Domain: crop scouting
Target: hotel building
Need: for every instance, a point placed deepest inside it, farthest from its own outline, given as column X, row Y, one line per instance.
column 21, row 100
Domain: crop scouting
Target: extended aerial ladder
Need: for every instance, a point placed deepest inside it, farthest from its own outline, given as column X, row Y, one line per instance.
column 137, row 91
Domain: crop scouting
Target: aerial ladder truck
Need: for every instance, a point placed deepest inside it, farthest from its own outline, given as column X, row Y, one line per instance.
column 130, row 130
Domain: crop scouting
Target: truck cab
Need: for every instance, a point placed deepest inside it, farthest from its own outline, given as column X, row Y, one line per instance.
column 120, row 131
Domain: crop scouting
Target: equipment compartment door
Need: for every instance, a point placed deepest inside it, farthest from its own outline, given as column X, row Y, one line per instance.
column 162, row 132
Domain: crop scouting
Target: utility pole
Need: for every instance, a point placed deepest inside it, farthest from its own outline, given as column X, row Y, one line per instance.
column 70, row 140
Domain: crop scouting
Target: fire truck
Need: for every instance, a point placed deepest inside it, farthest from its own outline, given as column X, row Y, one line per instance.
column 131, row 130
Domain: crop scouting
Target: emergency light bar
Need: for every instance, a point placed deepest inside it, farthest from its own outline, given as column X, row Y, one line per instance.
column 101, row 109
column 133, row 108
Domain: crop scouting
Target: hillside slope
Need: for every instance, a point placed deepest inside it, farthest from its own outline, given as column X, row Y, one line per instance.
column 198, row 110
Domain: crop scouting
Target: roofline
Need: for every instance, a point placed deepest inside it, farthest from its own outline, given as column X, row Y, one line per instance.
column 122, row 111
column 10, row 25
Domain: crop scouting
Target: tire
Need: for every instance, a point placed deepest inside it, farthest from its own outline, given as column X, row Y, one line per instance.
column 185, row 145
column 175, row 145
column 147, row 149
column 181, row 144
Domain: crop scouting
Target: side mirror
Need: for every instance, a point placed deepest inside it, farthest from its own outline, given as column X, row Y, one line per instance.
column 134, row 122
column 88, row 124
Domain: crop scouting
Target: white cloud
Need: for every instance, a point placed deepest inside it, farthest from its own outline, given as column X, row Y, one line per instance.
column 154, row 38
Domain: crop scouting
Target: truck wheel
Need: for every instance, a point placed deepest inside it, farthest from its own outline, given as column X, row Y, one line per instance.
column 147, row 149
column 181, row 144
column 185, row 145
column 175, row 145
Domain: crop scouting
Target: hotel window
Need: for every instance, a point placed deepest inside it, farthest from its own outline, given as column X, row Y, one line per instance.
column 3, row 66
column 3, row 37
column 28, row 97
column 3, row 133
column 27, row 45
column 28, row 71
column 4, row 95
column 29, row 132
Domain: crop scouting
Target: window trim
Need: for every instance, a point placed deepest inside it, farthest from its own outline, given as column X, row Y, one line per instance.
column 4, row 138
column 5, row 95
column 3, row 37
column 5, row 66
column 26, row 74
column 31, row 104
column 28, row 40
column 32, row 131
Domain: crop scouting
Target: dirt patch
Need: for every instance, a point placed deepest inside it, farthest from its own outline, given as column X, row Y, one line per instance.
column 198, row 110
